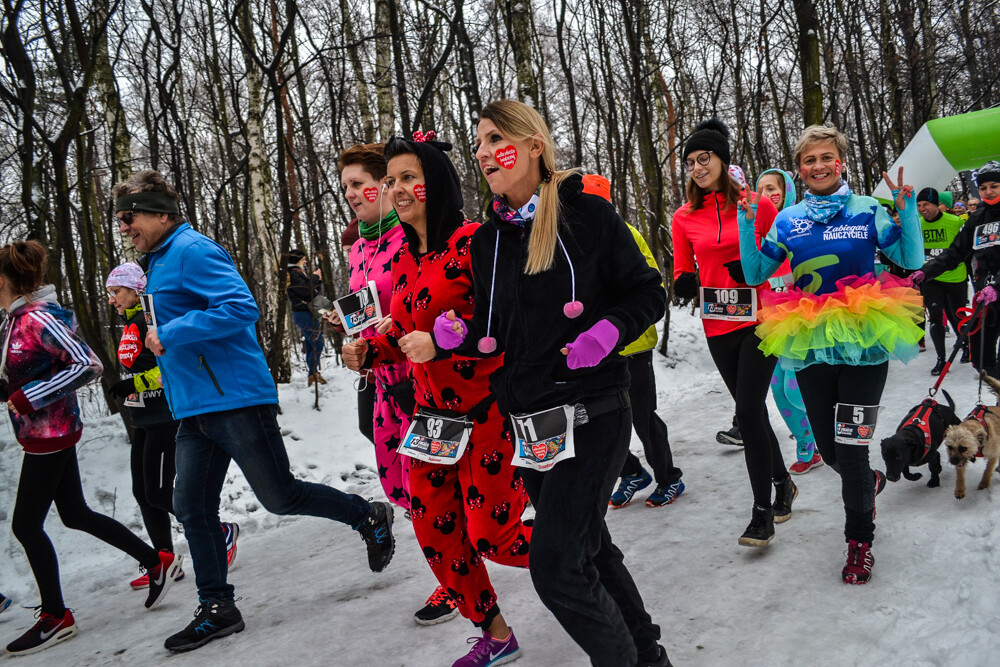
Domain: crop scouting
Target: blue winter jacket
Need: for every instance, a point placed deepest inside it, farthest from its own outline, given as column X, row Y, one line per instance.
column 205, row 318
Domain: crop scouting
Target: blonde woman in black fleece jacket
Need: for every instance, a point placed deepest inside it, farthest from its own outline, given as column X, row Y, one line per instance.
column 560, row 288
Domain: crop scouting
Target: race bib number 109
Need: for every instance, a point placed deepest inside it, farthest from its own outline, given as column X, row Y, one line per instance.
column 732, row 304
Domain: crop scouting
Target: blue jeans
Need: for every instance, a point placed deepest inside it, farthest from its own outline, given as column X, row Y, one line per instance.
column 312, row 335
column 251, row 437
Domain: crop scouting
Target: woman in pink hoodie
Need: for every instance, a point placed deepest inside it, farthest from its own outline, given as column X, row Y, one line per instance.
column 42, row 364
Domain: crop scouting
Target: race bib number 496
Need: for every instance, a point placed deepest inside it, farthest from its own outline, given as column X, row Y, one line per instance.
column 987, row 235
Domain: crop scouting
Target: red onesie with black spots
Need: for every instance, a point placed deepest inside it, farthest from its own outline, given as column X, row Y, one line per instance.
column 471, row 510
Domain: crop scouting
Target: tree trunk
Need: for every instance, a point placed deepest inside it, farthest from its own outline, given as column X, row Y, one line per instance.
column 809, row 62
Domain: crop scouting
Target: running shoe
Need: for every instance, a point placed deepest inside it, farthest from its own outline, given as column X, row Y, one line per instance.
column 162, row 577
column 142, row 582
column 440, row 607
column 628, row 487
column 4, row 603
column 785, row 493
column 376, row 531
column 232, row 533
column 48, row 631
column 665, row 494
column 211, row 621
column 760, row 530
column 488, row 652
column 858, row 569
column 730, row 436
column 802, row 467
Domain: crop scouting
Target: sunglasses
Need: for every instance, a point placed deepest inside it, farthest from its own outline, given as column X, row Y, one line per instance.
column 126, row 218
column 702, row 159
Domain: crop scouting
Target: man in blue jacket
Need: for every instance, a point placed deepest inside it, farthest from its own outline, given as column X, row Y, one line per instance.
column 219, row 387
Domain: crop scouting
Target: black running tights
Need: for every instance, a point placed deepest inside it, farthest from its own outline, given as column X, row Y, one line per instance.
column 48, row 478
column 747, row 374
column 153, row 472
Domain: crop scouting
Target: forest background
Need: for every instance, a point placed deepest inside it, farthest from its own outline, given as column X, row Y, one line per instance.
column 245, row 105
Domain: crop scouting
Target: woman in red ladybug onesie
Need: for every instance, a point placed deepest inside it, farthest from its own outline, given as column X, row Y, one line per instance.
column 470, row 509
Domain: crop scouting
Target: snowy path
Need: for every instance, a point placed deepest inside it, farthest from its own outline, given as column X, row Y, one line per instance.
column 308, row 597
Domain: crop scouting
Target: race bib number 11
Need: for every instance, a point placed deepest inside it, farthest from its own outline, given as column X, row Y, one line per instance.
column 543, row 439
column 732, row 304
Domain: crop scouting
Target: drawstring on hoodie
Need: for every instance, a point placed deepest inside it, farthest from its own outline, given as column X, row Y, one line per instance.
column 574, row 308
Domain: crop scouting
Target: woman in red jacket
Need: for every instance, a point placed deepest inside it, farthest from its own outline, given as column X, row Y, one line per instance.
column 707, row 253
column 468, row 506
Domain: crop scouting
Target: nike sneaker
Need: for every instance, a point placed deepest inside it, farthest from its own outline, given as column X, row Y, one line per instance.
column 162, row 577
column 48, row 631
column 487, row 651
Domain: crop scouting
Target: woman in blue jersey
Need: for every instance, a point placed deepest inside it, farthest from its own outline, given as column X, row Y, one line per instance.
column 838, row 325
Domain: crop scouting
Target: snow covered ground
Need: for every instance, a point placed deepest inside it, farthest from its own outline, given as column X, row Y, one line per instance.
column 308, row 597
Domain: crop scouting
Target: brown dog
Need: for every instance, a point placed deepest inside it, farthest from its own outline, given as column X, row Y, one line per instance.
column 975, row 433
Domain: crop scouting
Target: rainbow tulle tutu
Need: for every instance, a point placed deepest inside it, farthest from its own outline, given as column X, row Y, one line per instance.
column 866, row 321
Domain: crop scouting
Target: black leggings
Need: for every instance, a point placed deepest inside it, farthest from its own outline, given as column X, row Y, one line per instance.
column 153, row 472
column 943, row 298
column 48, row 478
column 366, row 410
column 823, row 386
column 747, row 374
column 985, row 340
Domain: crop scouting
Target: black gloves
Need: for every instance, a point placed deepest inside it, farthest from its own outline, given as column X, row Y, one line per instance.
column 123, row 388
column 735, row 269
column 686, row 287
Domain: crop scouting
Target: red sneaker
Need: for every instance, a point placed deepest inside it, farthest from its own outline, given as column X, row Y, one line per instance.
column 49, row 630
column 162, row 577
column 858, row 569
column 142, row 582
column 802, row 467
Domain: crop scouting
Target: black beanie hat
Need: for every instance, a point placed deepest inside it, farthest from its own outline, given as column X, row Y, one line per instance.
column 929, row 194
column 710, row 135
column 295, row 255
column 988, row 172
column 444, row 190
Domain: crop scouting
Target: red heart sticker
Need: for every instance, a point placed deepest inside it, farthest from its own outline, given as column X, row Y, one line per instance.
column 539, row 449
column 506, row 157
column 130, row 346
column 420, row 192
column 864, row 431
column 371, row 194
column 435, row 446
column 731, row 310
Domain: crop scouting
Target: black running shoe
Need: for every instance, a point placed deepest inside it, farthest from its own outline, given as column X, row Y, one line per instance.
column 163, row 576
column 376, row 531
column 965, row 356
column 760, row 531
column 211, row 621
column 661, row 659
column 938, row 367
column 440, row 607
column 730, row 437
column 784, row 494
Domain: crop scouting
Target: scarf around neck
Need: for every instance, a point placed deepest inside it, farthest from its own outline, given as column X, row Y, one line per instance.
column 372, row 231
column 519, row 217
column 822, row 208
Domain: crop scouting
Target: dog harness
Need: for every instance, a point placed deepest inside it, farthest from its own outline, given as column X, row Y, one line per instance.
column 921, row 420
column 979, row 414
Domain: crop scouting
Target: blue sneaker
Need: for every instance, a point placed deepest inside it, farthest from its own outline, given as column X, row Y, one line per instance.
column 665, row 494
column 628, row 487
column 231, row 531
column 4, row 603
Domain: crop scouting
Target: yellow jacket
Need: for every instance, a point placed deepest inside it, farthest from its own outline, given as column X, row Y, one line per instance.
column 646, row 341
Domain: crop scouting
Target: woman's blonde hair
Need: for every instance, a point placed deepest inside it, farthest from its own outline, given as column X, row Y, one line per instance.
column 819, row 134
column 517, row 120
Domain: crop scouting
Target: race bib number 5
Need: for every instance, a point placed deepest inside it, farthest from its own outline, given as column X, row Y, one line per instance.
column 543, row 439
column 854, row 424
column 732, row 304
column 435, row 439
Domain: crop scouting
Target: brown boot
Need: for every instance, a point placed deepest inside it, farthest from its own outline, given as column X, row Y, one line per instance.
column 312, row 378
column 319, row 378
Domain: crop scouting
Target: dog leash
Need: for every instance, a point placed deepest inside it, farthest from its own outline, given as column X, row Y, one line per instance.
column 972, row 321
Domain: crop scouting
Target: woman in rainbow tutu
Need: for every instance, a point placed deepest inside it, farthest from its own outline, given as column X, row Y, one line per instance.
column 838, row 325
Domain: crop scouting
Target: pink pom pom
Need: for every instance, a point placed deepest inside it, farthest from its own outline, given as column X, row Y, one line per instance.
column 573, row 309
column 487, row 345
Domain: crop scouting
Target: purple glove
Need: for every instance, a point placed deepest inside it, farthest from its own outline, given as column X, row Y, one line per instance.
column 446, row 337
column 590, row 347
column 986, row 296
column 917, row 277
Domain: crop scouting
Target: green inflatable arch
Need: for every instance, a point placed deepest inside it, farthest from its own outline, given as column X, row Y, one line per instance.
column 943, row 147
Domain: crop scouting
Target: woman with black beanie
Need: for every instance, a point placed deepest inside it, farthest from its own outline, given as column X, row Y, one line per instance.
column 561, row 288
column 707, row 253
column 465, row 499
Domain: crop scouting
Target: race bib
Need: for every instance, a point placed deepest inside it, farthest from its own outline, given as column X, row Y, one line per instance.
column 854, row 424
column 135, row 400
column 435, row 438
column 931, row 253
column 732, row 304
column 987, row 235
column 543, row 439
column 359, row 310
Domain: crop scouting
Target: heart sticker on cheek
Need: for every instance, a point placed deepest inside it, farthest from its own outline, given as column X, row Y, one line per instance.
column 371, row 194
column 506, row 157
column 837, row 167
column 420, row 192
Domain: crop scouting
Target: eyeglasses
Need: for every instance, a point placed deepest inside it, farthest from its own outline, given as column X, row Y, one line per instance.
column 126, row 219
column 703, row 159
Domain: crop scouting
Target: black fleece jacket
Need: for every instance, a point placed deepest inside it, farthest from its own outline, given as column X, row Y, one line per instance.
column 613, row 281
column 302, row 288
column 985, row 262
